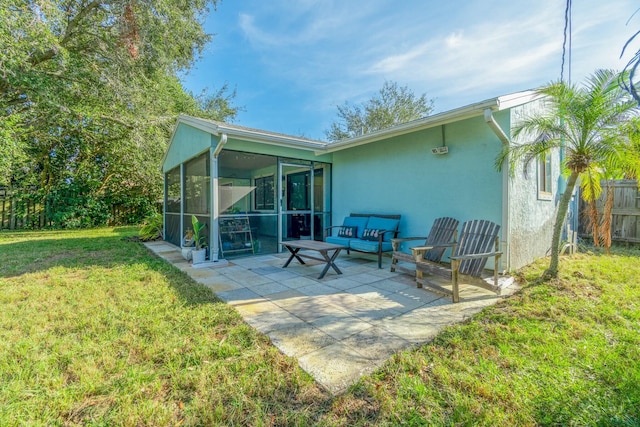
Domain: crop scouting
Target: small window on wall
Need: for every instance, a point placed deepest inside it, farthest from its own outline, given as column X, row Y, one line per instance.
column 544, row 178
column 264, row 198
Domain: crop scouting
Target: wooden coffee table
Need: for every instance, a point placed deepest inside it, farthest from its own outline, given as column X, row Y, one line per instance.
column 322, row 248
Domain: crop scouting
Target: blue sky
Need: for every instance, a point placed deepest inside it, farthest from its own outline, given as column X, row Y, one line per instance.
column 293, row 61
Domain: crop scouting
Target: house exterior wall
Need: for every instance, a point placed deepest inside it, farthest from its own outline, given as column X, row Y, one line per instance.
column 531, row 217
column 402, row 176
column 188, row 142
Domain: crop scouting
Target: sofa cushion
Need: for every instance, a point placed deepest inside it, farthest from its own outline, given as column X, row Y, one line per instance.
column 369, row 246
column 371, row 234
column 348, row 231
column 383, row 224
column 357, row 221
column 344, row 241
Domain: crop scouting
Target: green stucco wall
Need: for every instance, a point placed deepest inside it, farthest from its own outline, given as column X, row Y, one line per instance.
column 187, row 142
column 401, row 176
column 531, row 218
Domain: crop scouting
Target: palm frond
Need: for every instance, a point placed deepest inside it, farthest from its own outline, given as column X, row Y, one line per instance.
column 589, row 122
column 627, row 80
column 607, row 218
column 590, row 187
column 543, row 143
column 593, row 222
column 631, row 156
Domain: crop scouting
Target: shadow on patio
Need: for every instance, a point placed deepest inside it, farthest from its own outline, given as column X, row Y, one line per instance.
column 339, row 327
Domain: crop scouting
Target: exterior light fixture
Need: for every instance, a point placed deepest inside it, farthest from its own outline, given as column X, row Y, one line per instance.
column 440, row 150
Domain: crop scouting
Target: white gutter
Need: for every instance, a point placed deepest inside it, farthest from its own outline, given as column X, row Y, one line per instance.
column 506, row 233
column 272, row 139
column 495, row 127
column 218, row 149
column 214, row 251
column 321, row 147
column 462, row 113
column 253, row 135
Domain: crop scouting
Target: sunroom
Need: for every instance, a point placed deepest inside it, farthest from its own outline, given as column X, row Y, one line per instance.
column 251, row 188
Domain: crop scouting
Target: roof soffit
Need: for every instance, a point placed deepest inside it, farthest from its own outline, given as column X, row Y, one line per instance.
column 320, row 147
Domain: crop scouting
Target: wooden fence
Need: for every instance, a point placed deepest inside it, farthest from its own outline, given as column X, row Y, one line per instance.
column 29, row 213
column 625, row 224
column 18, row 214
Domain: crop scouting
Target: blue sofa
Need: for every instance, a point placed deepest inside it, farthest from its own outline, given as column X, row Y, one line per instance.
column 368, row 233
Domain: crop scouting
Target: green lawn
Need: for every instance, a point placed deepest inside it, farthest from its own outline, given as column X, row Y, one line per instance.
column 94, row 330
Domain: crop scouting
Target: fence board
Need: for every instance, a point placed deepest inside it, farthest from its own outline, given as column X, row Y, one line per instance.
column 20, row 213
column 625, row 221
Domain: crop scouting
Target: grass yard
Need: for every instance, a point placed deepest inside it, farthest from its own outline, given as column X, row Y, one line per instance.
column 94, row 330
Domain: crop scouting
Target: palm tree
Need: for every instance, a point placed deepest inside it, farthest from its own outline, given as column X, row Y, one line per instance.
column 624, row 163
column 587, row 122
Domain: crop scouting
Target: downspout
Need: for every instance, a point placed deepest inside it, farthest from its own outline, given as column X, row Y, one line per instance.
column 215, row 202
column 495, row 127
column 164, row 207
column 182, row 201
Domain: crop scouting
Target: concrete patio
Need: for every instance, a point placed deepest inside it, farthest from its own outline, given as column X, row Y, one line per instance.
column 339, row 327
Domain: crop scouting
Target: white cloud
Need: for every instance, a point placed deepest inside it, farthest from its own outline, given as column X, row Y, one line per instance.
column 247, row 25
column 402, row 61
column 313, row 55
column 454, row 40
column 485, row 56
column 299, row 24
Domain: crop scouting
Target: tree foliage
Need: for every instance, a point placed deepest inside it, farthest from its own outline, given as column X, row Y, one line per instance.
column 591, row 123
column 392, row 105
column 89, row 93
column 629, row 79
column 621, row 163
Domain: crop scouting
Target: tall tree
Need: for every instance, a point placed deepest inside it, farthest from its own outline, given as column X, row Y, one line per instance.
column 107, row 44
column 89, row 93
column 628, row 79
column 392, row 105
column 588, row 122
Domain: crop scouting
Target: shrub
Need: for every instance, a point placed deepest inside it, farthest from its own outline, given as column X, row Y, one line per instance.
column 151, row 228
column 69, row 207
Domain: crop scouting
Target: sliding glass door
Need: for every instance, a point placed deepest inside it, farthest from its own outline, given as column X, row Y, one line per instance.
column 296, row 194
column 304, row 199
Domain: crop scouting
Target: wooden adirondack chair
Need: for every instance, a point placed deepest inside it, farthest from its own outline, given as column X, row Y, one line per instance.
column 478, row 242
column 442, row 236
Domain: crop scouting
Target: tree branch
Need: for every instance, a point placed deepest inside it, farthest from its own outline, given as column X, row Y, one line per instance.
column 68, row 34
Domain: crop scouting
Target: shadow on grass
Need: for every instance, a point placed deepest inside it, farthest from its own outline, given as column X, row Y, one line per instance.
column 204, row 354
column 39, row 252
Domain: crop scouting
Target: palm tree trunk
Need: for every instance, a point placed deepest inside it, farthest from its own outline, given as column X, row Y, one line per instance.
column 594, row 222
column 563, row 207
column 594, row 217
column 607, row 217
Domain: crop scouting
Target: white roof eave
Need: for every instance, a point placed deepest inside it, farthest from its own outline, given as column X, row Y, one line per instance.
column 472, row 110
column 253, row 135
column 320, row 147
